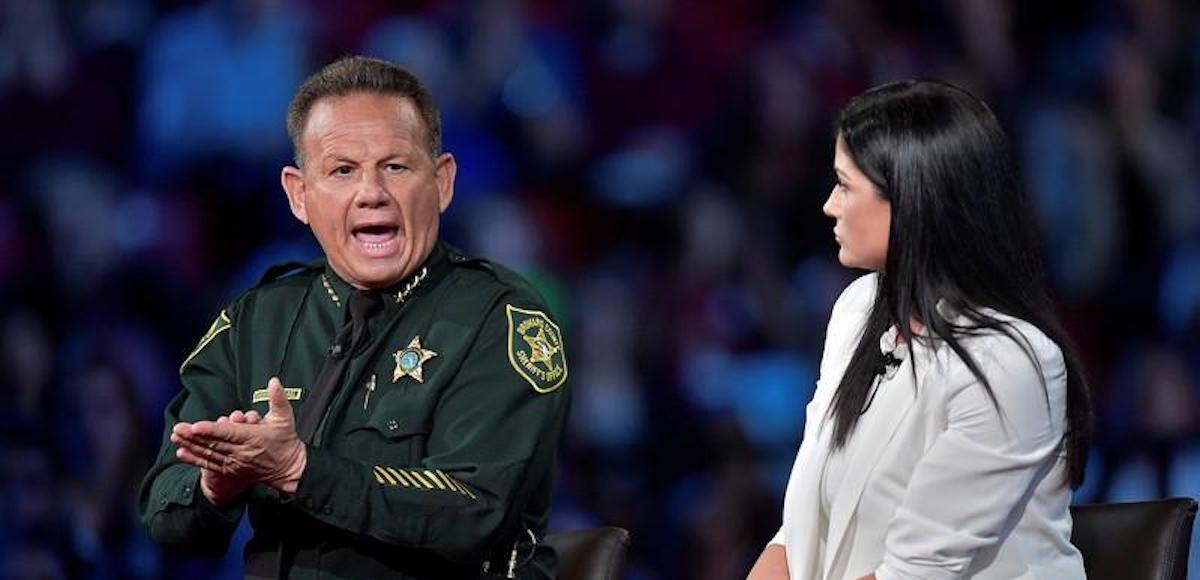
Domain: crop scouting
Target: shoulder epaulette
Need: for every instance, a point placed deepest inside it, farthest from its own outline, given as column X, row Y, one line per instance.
column 457, row 256
column 284, row 269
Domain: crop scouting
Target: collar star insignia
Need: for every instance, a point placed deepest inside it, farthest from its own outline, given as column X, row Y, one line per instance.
column 410, row 361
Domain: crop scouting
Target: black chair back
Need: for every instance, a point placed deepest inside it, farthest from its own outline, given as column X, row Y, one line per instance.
column 592, row 554
column 1146, row 540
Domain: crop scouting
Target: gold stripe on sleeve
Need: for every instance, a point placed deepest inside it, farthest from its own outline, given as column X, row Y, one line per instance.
column 399, row 475
column 462, row 486
column 418, row 477
column 381, row 471
column 435, row 479
column 415, row 482
column 446, row 478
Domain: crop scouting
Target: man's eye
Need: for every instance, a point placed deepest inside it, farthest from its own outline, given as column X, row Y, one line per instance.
column 342, row 170
column 394, row 167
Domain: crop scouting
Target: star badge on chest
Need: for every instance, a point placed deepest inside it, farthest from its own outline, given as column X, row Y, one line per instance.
column 410, row 361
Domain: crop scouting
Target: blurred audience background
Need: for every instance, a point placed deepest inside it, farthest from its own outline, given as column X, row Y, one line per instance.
column 657, row 167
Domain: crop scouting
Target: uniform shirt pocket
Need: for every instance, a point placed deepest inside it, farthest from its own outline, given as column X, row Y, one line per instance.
column 394, row 433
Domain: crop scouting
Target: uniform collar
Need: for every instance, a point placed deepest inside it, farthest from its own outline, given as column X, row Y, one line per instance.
column 337, row 291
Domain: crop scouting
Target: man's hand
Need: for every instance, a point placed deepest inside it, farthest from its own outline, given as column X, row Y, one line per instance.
column 220, row 488
column 268, row 451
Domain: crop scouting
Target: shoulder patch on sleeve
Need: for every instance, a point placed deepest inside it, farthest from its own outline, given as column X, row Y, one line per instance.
column 535, row 349
column 221, row 324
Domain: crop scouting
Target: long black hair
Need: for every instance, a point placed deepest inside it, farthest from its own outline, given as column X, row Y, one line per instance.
column 961, row 231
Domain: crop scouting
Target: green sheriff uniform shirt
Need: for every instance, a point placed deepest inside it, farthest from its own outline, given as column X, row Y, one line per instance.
column 435, row 455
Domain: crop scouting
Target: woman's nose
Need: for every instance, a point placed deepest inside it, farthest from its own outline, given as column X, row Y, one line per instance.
column 830, row 206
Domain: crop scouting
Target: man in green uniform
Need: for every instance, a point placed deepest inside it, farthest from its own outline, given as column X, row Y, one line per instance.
column 391, row 411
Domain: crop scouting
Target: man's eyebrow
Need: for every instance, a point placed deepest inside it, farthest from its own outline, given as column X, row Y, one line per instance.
column 337, row 158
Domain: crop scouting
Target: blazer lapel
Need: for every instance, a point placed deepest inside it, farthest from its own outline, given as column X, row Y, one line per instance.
column 893, row 402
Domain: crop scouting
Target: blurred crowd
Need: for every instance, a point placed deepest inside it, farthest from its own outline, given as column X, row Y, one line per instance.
column 655, row 167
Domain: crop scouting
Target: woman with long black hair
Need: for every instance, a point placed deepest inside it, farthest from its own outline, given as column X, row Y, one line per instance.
column 951, row 418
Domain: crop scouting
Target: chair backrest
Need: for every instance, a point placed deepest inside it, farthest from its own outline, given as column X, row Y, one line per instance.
column 1146, row 540
column 592, row 554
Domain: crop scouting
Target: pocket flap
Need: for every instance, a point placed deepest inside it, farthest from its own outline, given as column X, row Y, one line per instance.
column 397, row 422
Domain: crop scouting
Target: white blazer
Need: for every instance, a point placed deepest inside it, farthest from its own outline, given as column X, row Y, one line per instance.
column 937, row 486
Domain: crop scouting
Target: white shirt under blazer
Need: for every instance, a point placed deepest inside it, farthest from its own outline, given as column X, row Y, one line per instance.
column 934, row 484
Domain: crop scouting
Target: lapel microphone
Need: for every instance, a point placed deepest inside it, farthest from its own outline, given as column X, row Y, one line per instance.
column 887, row 366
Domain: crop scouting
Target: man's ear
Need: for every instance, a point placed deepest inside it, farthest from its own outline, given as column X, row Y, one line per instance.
column 445, row 169
column 292, row 179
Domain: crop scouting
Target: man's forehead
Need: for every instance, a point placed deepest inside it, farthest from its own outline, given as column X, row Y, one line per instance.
column 332, row 115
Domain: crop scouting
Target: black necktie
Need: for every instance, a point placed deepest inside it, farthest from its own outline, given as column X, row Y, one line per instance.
column 353, row 335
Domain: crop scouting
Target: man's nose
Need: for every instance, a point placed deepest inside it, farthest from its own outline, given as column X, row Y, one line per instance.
column 372, row 192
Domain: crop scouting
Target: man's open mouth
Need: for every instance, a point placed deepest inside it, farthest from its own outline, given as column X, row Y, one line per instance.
column 378, row 238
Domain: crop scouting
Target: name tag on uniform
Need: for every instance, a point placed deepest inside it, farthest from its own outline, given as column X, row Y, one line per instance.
column 291, row 394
